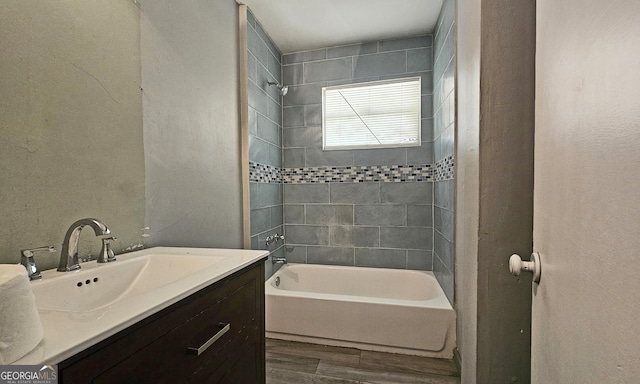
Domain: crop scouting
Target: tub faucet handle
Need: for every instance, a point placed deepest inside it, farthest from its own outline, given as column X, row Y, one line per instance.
column 274, row 239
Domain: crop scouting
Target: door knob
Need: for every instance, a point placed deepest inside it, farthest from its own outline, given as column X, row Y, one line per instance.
column 516, row 265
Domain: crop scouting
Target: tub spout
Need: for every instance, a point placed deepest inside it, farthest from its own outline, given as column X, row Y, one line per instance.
column 279, row 260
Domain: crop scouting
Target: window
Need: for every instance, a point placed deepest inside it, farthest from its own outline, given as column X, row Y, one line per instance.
column 377, row 114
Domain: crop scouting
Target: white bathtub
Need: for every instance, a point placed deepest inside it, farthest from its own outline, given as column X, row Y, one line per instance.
column 389, row 310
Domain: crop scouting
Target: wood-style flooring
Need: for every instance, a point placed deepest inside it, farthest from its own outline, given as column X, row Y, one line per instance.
column 301, row 363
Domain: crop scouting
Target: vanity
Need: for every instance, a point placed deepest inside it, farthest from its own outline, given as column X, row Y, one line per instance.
column 173, row 315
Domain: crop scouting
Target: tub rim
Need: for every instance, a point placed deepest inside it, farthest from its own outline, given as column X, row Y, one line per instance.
column 440, row 302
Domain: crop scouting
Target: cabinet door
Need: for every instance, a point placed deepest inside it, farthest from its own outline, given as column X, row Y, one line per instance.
column 168, row 359
column 161, row 353
column 245, row 369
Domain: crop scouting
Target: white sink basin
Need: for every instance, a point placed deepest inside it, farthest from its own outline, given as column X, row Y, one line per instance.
column 98, row 286
column 76, row 315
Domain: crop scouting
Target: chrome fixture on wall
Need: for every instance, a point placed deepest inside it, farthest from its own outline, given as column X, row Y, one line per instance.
column 279, row 260
column 283, row 89
column 274, row 239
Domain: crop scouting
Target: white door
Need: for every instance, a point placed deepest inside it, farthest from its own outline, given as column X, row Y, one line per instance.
column 586, row 310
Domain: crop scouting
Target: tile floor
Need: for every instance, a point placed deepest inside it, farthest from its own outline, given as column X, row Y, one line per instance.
column 301, row 363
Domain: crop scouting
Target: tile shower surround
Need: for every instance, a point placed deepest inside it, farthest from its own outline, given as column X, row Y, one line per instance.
column 308, row 72
column 326, row 225
column 265, row 137
column 376, row 224
column 444, row 143
column 389, row 228
column 368, row 207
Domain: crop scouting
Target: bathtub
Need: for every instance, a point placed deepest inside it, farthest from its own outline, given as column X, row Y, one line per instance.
column 387, row 310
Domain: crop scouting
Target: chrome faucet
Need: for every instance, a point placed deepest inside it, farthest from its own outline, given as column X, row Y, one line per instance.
column 279, row 260
column 274, row 239
column 69, row 254
column 106, row 253
column 26, row 259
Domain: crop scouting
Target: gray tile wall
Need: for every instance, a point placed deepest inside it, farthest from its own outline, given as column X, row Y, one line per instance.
column 265, row 137
column 444, row 143
column 374, row 224
column 377, row 224
column 307, row 72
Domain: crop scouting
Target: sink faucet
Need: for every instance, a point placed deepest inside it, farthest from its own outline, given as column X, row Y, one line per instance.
column 69, row 254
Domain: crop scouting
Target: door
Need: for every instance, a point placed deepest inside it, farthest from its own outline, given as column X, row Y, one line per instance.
column 586, row 309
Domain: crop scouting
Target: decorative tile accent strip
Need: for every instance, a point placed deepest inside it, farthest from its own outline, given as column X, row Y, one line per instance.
column 358, row 174
column 261, row 173
column 445, row 169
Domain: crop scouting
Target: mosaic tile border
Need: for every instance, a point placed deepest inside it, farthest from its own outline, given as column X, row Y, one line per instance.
column 445, row 169
column 442, row 170
column 261, row 173
column 358, row 174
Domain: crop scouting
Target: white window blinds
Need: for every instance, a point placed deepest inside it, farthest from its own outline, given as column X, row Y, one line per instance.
column 379, row 114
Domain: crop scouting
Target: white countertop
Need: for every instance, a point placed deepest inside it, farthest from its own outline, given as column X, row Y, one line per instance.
column 66, row 333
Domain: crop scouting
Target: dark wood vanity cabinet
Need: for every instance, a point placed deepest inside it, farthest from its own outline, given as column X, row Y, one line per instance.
column 163, row 348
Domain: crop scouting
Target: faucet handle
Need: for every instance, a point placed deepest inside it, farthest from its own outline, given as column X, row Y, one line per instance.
column 274, row 239
column 30, row 252
column 106, row 254
column 26, row 259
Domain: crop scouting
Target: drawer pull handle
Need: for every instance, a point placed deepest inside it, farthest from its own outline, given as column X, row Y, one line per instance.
column 199, row 351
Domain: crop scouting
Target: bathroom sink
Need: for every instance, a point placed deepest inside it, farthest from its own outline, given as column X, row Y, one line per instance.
column 83, row 307
column 99, row 286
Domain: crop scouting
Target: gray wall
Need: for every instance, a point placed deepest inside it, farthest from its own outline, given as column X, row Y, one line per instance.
column 444, row 144
column 265, row 139
column 496, row 82
column 73, row 143
column 191, row 119
column 507, row 93
column 71, row 124
column 378, row 224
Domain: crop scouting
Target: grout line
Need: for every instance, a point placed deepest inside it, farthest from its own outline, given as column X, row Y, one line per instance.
column 406, row 60
column 437, row 54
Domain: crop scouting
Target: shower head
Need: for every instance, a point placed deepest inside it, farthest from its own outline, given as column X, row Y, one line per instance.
column 283, row 89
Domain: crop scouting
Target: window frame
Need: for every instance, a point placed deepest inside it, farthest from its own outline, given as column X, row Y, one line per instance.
column 372, row 146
